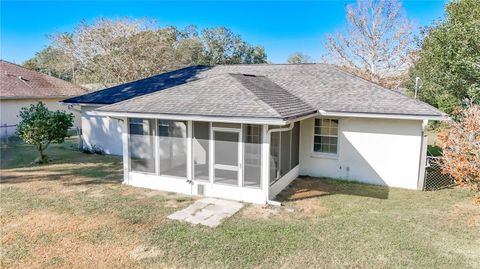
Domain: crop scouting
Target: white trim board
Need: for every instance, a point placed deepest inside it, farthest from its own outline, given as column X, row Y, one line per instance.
column 249, row 120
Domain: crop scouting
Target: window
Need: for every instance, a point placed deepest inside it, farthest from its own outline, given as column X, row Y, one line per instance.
column 172, row 141
column 141, row 144
column 326, row 136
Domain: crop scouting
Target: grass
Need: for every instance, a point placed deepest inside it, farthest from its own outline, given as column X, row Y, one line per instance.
column 75, row 213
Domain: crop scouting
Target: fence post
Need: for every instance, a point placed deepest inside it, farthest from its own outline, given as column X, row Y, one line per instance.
column 6, row 132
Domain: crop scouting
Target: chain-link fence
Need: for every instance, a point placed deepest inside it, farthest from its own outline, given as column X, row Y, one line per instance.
column 7, row 132
column 434, row 178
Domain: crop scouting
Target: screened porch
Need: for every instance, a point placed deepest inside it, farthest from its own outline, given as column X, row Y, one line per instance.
column 213, row 158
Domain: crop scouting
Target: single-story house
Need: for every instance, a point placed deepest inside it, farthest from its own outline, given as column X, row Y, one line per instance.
column 20, row 87
column 244, row 132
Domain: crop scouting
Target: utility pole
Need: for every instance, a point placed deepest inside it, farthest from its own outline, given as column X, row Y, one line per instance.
column 418, row 86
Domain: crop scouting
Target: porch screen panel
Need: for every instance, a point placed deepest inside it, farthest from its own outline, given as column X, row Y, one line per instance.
column 201, row 134
column 295, row 144
column 141, row 145
column 285, row 152
column 172, row 136
column 252, row 155
column 274, row 157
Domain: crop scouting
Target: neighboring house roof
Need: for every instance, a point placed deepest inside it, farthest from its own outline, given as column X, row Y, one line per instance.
column 17, row 82
column 320, row 87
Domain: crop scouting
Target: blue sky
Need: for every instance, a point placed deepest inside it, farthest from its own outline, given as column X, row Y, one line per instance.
column 281, row 27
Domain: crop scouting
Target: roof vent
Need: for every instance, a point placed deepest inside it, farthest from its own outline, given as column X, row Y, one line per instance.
column 249, row 75
column 22, row 78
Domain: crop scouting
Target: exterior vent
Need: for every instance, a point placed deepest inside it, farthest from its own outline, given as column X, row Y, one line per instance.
column 200, row 189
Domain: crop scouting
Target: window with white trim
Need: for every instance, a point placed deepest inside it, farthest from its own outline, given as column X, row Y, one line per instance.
column 326, row 136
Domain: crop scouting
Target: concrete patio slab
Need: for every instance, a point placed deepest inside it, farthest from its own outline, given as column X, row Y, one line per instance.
column 208, row 211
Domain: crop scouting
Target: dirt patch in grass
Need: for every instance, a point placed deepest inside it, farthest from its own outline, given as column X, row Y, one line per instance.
column 143, row 252
column 65, row 240
column 296, row 210
column 466, row 213
column 304, row 188
column 260, row 211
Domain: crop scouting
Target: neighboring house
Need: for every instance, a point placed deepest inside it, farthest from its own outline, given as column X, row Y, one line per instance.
column 20, row 87
column 244, row 132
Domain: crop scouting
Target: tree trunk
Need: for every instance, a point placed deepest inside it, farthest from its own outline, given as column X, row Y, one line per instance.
column 42, row 157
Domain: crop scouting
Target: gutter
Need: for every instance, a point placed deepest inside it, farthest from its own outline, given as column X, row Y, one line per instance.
column 383, row 115
column 251, row 120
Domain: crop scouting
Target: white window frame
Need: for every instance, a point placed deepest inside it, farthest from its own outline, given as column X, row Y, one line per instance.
column 326, row 154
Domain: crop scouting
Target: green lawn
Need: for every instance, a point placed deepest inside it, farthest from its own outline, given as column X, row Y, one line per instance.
column 75, row 213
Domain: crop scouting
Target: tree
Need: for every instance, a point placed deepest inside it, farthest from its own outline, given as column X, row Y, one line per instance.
column 299, row 58
column 41, row 127
column 376, row 44
column 110, row 52
column 449, row 60
column 53, row 62
column 460, row 142
column 222, row 46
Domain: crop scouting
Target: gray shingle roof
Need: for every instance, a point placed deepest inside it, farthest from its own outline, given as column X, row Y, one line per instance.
column 233, row 95
column 318, row 86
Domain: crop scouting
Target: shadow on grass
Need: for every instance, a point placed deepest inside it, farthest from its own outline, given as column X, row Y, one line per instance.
column 307, row 187
column 69, row 174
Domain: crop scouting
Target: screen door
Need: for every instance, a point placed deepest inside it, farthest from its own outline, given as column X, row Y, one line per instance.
column 226, row 164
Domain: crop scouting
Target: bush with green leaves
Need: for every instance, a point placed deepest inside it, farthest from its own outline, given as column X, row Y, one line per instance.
column 41, row 127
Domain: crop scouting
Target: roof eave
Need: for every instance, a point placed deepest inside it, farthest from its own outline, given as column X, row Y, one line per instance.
column 34, row 97
column 82, row 104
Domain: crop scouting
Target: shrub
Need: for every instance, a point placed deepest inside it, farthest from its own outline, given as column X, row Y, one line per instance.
column 460, row 142
column 41, row 127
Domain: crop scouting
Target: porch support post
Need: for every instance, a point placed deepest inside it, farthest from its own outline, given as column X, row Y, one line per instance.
column 125, row 139
column 265, row 162
column 423, row 157
column 189, row 150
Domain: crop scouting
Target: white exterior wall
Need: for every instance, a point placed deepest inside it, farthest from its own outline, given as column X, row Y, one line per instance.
column 10, row 108
column 102, row 131
column 375, row 151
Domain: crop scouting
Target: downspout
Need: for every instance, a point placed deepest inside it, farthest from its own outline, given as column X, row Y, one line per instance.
column 269, row 132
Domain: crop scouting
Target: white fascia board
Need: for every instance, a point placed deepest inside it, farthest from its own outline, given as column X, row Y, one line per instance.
column 249, row 120
column 381, row 116
column 82, row 104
